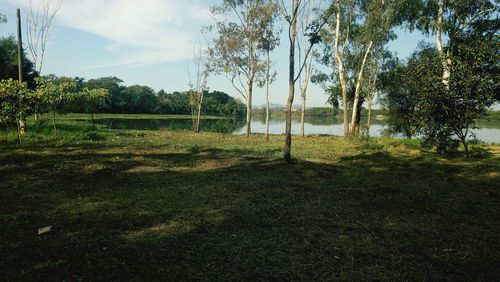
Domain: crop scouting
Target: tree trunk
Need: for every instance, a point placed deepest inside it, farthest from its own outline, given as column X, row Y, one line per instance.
column 303, row 95
column 54, row 121
column 192, row 106
column 22, row 126
column 303, row 115
column 356, row 107
column 371, row 96
column 249, row 109
column 198, row 117
column 92, row 117
column 267, row 93
column 343, row 83
column 370, row 100
column 463, row 139
column 5, row 135
column 355, row 124
column 291, row 83
column 19, row 132
column 466, row 147
column 445, row 57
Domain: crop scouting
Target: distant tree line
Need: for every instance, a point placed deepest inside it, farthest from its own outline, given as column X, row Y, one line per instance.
column 139, row 99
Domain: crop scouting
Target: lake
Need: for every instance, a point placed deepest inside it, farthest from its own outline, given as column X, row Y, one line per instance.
column 488, row 131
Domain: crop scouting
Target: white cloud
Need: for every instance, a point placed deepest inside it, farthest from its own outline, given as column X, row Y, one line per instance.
column 157, row 30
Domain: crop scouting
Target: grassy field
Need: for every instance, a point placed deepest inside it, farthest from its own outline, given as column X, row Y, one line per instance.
column 158, row 205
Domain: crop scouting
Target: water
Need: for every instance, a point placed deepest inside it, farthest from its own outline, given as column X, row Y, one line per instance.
column 211, row 125
column 333, row 128
column 487, row 131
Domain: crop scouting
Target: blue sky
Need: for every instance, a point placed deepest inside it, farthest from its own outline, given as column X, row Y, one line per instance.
column 149, row 43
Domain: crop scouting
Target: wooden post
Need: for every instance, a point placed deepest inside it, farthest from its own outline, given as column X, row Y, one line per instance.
column 19, row 47
column 22, row 122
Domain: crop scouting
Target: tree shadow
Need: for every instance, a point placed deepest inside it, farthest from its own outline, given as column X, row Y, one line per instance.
column 211, row 214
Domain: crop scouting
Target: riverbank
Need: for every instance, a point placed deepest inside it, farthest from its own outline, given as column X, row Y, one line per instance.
column 162, row 205
column 485, row 131
column 72, row 116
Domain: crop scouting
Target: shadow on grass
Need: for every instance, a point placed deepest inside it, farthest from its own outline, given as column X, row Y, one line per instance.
column 212, row 215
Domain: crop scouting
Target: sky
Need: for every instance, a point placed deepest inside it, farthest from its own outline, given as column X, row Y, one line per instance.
column 150, row 43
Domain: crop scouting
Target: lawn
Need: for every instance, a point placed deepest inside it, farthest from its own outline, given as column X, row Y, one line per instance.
column 170, row 206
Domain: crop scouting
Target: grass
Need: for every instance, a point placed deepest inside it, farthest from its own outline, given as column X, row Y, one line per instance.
column 158, row 205
column 493, row 115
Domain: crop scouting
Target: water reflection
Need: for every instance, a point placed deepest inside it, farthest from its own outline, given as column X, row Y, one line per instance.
column 487, row 131
column 313, row 125
column 210, row 125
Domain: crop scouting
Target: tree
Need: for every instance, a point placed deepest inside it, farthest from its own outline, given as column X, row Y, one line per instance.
column 198, row 85
column 360, row 28
column 471, row 86
column 302, row 45
column 220, row 103
column 39, row 21
column 69, row 105
column 373, row 70
column 92, row 100
column 54, row 94
column 118, row 103
column 140, row 99
column 3, row 19
column 268, row 43
column 401, row 91
column 340, row 47
column 9, row 65
column 419, row 101
column 292, row 17
column 451, row 20
column 14, row 104
column 236, row 49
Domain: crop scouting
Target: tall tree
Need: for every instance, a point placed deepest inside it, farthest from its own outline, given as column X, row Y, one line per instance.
column 373, row 70
column 358, row 29
column 292, row 14
column 198, row 84
column 302, row 45
column 240, row 26
column 39, row 21
column 269, row 42
column 341, row 43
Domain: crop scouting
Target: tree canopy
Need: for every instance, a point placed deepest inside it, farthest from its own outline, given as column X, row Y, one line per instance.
column 9, row 65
